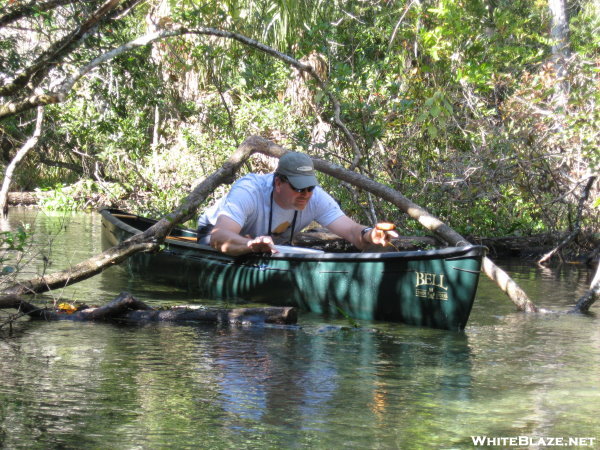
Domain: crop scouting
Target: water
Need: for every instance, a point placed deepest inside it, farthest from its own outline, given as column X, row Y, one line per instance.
column 320, row 384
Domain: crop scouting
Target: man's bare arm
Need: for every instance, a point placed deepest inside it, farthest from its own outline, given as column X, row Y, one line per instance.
column 225, row 237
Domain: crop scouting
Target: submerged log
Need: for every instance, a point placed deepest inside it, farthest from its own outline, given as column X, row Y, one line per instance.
column 129, row 309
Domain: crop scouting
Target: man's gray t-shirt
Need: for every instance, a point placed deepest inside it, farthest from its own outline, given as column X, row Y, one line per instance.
column 248, row 203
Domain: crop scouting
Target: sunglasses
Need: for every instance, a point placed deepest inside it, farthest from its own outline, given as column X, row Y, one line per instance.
column 299, row 191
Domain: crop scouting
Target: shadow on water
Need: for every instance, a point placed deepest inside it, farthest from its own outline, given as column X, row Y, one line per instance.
column 91, row 384
column 320, row 385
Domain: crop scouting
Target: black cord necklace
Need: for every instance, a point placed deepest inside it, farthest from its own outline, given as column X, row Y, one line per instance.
column 271, row 219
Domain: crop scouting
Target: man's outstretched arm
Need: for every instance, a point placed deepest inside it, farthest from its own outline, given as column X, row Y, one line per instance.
column 352, row 231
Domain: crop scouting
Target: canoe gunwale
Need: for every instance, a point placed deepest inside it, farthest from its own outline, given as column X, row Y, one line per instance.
column 447, row 253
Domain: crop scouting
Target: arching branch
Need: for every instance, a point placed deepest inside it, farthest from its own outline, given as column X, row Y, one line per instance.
column 151, row 238
column 148, row 241
column 18, row 11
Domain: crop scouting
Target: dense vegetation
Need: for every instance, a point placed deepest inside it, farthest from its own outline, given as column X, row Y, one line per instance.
column 469, row 108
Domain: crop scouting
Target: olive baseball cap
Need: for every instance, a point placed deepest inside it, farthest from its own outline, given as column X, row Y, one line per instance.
column 298, row 168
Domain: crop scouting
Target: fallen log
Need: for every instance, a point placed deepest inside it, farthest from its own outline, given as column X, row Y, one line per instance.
column 24, row 198
column 126, row 308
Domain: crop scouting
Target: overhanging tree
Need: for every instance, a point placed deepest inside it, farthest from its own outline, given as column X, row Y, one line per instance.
column 58, row 91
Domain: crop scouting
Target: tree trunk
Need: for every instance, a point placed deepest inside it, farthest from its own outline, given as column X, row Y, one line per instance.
column 559, row 31
column 10, row 169
column 593, row 294
column 155, row 235
column 127, row 308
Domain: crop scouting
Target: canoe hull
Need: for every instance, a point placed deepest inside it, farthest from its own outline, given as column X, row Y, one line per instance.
column 427, row 288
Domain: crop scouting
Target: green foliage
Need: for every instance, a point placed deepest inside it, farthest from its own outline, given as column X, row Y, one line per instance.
column 453, row 103
column 14, row 240
column 584, row 27
column 82, row 194
column 12, row 246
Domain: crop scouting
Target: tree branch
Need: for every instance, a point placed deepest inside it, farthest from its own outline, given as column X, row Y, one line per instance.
column 433, row 224
column 585, row 193
column 61, row 93
column 593, row 294
column 151, row 238
column 31, row 142
column 148, row 241
column 19, row 11
column 57, row 51
column 28, row 102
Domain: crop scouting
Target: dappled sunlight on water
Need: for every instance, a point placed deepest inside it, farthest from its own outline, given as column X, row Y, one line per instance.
column 320, row 384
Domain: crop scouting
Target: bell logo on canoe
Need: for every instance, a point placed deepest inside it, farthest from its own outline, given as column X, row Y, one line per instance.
column 431, row 286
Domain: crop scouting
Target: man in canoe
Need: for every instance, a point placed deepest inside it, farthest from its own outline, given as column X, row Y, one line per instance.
column 261, row 211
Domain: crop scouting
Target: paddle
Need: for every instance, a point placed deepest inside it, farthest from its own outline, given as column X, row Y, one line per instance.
column 177, row 238
column 183, row 238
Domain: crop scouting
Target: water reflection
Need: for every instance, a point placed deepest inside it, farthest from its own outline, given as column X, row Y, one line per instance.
column 86, row 379
column 301, row 378
column 321, row 384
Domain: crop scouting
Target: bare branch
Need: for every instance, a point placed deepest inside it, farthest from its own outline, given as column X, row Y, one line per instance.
column 19, row 10
column 57, row 51
column 145, row 242
column 585, row 193
column 31, row 142
column 432, row 223
column 593, row 294
column 406, row 8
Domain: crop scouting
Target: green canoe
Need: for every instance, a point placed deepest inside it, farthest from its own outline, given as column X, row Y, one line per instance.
column 434, row 288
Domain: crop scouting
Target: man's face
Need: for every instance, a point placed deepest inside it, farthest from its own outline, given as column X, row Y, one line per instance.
column 289, row 198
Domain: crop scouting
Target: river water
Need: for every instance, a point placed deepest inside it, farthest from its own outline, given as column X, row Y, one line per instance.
column 509, row 376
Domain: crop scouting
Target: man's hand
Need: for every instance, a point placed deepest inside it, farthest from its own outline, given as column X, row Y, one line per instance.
column 382, row 234
column 226, row 238
column 262, row 244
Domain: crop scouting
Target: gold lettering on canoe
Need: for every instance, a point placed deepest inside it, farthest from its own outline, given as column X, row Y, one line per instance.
column 431, row 286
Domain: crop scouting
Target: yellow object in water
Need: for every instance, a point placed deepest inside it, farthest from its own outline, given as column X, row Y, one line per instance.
column 66, row 308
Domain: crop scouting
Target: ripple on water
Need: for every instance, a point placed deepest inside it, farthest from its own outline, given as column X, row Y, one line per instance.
column 322, row 384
